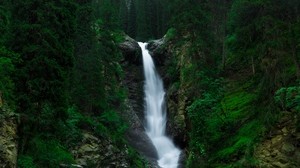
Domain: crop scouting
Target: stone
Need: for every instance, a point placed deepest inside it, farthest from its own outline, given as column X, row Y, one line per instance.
column 288, row 148
column 274, row 152
column 266, row 153
column 86, row 148
column 157, row 51
column 276, row 140
column 279, row 164
column 284, row 131
column 131, row 51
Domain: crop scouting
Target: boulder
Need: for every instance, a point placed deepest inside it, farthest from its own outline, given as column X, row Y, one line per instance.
column 157, row 51
column 131, row 51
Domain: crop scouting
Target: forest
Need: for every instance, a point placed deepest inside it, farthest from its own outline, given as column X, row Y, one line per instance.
column 231, row 70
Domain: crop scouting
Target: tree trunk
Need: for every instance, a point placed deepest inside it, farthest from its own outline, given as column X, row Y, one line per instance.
column 224, row 54
column 253, row 66
column 297, row 64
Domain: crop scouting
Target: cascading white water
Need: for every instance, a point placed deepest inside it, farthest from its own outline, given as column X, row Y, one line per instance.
column 155, row 113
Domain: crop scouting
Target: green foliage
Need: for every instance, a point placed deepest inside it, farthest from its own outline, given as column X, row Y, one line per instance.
column 8, row 58
column 6, row 70
column 288, row 98
column 114, row 122
column 230, row 118
column 201, row 113
column 25, row 162
column 135, row 158
column 171, row 33
column 118, row 36
column 55, row 155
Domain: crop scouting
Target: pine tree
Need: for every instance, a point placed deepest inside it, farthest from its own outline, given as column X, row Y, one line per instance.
column 43, row 36
column 8, row 58
column 88, row 88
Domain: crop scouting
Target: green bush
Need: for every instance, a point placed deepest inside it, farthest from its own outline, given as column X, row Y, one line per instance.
column 115, row 123
column 171, row 33
column 48, row 152
column 7, row 68
column 25, row 162
column 135, row 159
column 288, row 98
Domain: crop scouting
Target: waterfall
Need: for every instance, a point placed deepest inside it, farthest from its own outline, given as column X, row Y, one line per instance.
column 155, row 112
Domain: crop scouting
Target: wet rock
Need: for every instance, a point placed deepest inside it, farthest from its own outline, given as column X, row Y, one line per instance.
column 276, row 140
column 131, row 51
column 157, row 51
column 284, row 131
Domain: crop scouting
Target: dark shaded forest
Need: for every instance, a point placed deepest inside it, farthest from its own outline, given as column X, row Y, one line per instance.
column 233, row 68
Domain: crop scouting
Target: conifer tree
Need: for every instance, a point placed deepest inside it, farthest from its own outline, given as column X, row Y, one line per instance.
column 43, row 36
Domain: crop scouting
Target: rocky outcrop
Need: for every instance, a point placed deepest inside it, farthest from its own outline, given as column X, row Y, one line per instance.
column 176, row 124
column 131, row 51
column 176, row 94
column 99, row 153
column 158, row 51
column 282, row 146
column 8, row 138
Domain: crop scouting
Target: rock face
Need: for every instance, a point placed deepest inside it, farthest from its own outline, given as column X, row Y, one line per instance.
column 176, row 94
column 131, row 51
column 157, row 51
column 98, row 153
column 282, row 147
column 8, row 138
